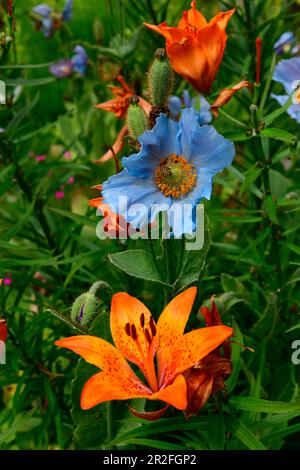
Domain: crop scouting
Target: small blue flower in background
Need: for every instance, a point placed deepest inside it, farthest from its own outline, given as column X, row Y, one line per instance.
column 174, row 167
column 44, row 21
column 80, row 60
column 199, row 103
column 286, row 44
column 68, row 10
column 287, row 72
column 61, row 69
column 48, row 21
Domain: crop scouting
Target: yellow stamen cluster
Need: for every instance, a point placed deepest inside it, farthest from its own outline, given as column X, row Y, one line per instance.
column 174, row 176
column 297, row 96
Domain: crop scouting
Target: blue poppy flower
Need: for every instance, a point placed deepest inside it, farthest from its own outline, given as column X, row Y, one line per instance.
column 287, row 72
column 80, row 60
column 286, row 44
column 199, row 103
column 62, row 69
column 172, row 173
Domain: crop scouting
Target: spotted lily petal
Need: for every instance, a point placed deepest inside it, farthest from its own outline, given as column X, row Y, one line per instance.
column 171, row 325
column 134, row 332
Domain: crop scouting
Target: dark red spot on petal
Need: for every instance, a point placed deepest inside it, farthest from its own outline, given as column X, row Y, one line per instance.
column 133, row 332
column 127, row 329
column 152, row 326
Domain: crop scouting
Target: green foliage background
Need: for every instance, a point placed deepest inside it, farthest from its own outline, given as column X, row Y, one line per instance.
column 253, row 263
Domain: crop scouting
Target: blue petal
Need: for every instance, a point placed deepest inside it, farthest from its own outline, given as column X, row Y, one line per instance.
column 67, row 11
column 293, row 110
column 287, row 72
column 204, row 146
column 187, row 99
column 80, row 60
column 42, row 10
column 123, row 191
column 181, row 215
column 174, row 105
column 202, row 106
column 158, row 143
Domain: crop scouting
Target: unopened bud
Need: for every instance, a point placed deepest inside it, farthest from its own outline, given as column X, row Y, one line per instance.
column 84, row 309
column 136, row 118
column 161, row 79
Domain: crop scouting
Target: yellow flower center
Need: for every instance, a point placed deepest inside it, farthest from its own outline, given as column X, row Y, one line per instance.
column 297, row 96
column 175, row 176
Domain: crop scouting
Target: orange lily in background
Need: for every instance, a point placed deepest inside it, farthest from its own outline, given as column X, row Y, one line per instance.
column 208, row 376
column 196, row 47
column 139, row 339
column 226, row 94
column 114, row 223
column 119, row 106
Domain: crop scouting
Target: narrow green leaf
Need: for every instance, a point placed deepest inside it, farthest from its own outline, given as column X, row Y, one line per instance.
column 279, row 134
column 262, row 406
column 242, row 432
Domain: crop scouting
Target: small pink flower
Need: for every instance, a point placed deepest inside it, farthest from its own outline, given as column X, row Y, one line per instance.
column 40, row 158
column 68, row 155
column 71, row 180
column 7, row 281
column 59, row 194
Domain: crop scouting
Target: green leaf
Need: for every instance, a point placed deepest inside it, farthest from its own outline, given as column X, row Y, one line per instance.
column 33, row 82
column 235, row 356
column 137, row 263
column 216, row 431
column 264, row 328
column 250, row 177
column 18, row 425
column 262, row 406
column 192, row 262
column 280, row 134
column 242, row 432
column 271, row 208
column 230, row 284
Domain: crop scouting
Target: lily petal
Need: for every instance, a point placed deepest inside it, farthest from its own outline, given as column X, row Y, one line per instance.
column 171, row 325
column 103, row 387
column 188, row 59
column 190, row 348
column 222, row 18
column 134, row 332
column 192, row 17
column 175, row 394
column 96, row 351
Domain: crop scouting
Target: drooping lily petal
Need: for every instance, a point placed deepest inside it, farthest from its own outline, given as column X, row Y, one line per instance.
column 226, row 94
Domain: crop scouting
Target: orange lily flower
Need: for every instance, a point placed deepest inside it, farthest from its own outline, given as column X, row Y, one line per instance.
column 196, row 47
column 139, row 339
column 208, row 376
column 120, row 104
column 114, row 223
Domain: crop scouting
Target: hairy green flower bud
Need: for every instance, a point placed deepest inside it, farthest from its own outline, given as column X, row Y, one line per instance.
column 160, row 79
column 84, row 309
column 136, row 118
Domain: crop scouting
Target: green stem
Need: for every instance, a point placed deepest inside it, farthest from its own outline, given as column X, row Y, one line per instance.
column 232, row 119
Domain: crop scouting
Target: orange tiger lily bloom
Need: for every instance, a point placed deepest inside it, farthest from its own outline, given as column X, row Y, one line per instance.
column 196, row 47
column 119, row 105
column 139, row 339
